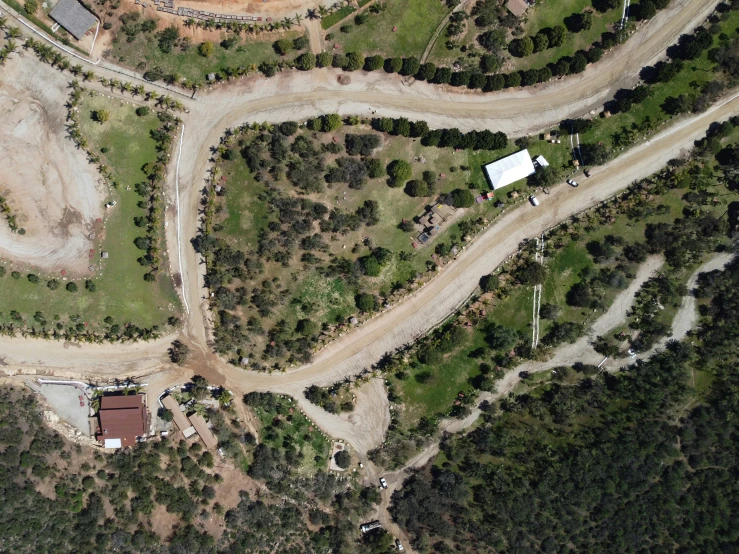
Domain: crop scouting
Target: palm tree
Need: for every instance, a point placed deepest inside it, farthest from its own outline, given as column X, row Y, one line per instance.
column 88, row 76
column 13, row 32
column 297, row 18
column 3, row 22
column 322, row 11
column 10, row 46
column 312, row 14
column 287, row 22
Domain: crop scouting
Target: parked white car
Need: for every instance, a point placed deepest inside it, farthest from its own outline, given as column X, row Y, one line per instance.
column 572, row 183
column 533, row 200
column 399, row 546
column 383, row 483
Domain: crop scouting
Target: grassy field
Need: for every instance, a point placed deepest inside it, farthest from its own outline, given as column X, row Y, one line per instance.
column 143, row 54
column 549, row 14
column 121, row 291
column 415, row 21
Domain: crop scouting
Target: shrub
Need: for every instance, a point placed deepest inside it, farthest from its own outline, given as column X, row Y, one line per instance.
column 32, row 278
column 283, row 46
column 72, row 287
column 142, row 111
column 89, row 286
column 15, row 275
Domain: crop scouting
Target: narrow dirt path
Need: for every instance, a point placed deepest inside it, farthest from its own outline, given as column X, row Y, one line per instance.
column 315, row 35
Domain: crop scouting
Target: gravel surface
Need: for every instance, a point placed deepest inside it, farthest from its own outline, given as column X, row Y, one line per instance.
column 64, row 400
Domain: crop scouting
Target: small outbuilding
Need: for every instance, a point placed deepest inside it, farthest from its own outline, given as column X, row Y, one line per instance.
column 209, row 439
column 540, row 161
column 104, row 255
column 178, row 417
column 517, row 7
column 509, row 169
column 74, row 17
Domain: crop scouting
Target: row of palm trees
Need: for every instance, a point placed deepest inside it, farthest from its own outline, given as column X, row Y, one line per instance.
column 11, row 34
column 164, row 101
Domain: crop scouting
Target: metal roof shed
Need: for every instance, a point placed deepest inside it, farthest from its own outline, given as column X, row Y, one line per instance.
column 509, row 169
column 74, row 17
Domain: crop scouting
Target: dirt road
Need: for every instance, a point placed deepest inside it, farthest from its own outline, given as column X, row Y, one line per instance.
column 357, row 350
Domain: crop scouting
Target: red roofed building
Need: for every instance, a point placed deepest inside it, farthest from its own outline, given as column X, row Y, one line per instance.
column 122, row 419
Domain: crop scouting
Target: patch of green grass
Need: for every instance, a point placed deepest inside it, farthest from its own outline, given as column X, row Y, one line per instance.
column 121, row 291
column 333, row 18
column 415, row 20
column 143, row 54
column 285, row 427
column 449, row 377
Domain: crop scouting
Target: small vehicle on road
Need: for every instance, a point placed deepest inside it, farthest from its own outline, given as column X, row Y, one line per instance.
column 632, row 353
column 533, row 200
column 587, row 173
column 383, row 483
column 572, row 183
column 399, row 546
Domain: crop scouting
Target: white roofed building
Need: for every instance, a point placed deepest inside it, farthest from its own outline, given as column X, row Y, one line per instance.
column 509, row 169
column 541, row 161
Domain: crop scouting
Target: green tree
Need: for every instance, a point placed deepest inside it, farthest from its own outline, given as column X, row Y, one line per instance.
column 307, row 327
column 32, row 278
column 374, row 63
column 30, row 7
column 521, row 47
column 330, row 122
column 343, row 459
column 399, row 172
column 306, row 61
column 416, row 188
column 462, row 198
column 366, row 302
column 72, row 287
column 142, row 111
column 489, row 283
column 393, row 65
column 89, row 286
column 353, row 61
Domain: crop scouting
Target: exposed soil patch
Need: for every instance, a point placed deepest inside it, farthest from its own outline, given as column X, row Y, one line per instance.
column 50, row 185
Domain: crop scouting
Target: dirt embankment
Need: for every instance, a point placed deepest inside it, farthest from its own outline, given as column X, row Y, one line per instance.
column 52, row 190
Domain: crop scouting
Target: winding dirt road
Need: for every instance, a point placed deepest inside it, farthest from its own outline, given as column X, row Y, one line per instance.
column 297, row 95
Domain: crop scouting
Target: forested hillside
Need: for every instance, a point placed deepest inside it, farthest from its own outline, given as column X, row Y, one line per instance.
column 160, row 497
column 644, row 460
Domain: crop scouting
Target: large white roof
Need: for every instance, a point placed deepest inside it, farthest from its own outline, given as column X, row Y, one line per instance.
column 112, row 443
column 509, row 169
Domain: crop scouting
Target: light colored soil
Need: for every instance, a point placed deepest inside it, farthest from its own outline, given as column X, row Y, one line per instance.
column 616, row 313
column 47, row 181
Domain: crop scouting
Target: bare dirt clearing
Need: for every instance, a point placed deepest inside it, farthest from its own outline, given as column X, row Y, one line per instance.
column 46, row 180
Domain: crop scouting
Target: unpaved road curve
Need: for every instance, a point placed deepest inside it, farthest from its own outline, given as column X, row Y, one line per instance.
column 355, row 351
